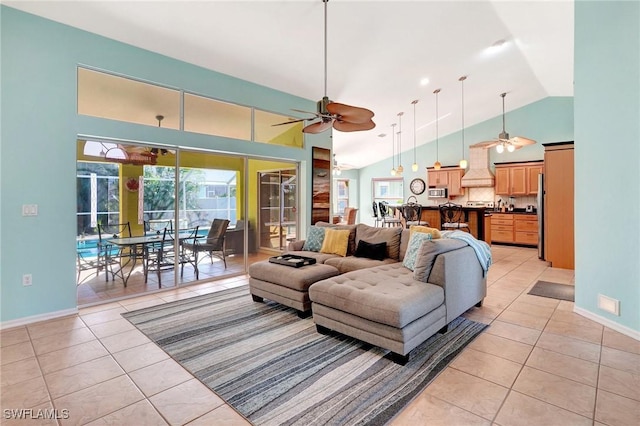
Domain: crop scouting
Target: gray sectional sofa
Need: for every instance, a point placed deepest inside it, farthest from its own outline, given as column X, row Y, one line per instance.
column 383, row 302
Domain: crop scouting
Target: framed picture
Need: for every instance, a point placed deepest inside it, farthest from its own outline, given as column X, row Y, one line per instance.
column 321, row 185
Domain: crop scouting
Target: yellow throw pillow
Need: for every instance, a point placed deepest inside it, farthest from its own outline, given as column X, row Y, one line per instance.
column 435, row 233
column 336, row 241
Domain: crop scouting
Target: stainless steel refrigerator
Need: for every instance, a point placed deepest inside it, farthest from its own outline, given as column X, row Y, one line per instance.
column 541, row 216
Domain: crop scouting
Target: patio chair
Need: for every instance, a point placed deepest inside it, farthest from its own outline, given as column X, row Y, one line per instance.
column 161, row 256
column 110, row 254
column 212, row 246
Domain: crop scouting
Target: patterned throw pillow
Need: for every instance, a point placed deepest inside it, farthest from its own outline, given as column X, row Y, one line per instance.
column 315, row 238
column 415, row 242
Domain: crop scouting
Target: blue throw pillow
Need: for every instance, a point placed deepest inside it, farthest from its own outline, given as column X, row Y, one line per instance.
column 315, row 238
column 417, row 238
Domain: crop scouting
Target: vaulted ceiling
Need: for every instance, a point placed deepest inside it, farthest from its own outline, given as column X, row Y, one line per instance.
column 378, row 53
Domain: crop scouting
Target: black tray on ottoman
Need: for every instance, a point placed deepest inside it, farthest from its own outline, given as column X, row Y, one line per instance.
column 292, row 260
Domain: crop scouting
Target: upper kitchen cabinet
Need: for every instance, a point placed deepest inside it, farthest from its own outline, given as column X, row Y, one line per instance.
column 518, row 178
column 447, row 177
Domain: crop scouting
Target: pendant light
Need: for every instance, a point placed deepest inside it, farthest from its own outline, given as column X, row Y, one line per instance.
column 393, row 149
column 400, row 169
column 414, row 166
column 463, row 162
column 437, row 164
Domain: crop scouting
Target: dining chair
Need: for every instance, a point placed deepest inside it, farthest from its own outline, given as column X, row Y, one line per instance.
column 376, row 215
column 212, row 246
column 110, row 254
column 387, row 218
column 349, row 217
column 452, row 217
column 412, row 215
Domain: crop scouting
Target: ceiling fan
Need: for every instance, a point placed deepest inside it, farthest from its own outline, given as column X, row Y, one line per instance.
column 503, row 141
column 342, row 117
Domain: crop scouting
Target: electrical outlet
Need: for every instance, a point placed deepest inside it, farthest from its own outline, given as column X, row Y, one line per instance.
column 27, row 280
column 608, row 304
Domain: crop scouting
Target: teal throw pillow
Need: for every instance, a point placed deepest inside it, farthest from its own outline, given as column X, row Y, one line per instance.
column 315, row 238
column 417, row 238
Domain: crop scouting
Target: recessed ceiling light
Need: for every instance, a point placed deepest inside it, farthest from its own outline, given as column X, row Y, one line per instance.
column 424, row 81
column 496, row 46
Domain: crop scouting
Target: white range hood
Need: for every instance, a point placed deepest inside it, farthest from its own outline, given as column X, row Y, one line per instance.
column 478, row 174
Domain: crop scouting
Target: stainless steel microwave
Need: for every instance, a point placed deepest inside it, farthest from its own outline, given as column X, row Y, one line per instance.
column 438, row 192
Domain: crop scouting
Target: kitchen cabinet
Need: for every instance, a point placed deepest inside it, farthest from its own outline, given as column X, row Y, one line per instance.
column 502, row 227
column 525, row 229
column 532, row 178
column 517, row 179
column 450, row 178
column 559, row 248
column 514, row 228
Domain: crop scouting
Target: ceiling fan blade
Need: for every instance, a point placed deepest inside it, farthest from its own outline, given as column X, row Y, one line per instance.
column 318, row 127
column 291, row 122
column 485, row 144
column 345, row 126
column 522, row 141
column 350, row 113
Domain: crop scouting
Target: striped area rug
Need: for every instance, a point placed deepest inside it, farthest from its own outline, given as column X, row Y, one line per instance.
column 275, row 369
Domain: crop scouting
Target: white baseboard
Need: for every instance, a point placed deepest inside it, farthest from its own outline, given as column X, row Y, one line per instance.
column 634, row 334
column 36, row 318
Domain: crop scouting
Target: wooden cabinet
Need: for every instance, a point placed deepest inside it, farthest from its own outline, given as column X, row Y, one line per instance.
column 558, row 205
column 502, row 228
column 517, row 179
column 514, row 228
column 450, row 178
column 525, row 229
column 532, row 178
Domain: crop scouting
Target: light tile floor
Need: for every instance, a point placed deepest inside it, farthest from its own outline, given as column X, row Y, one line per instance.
column 537, row 364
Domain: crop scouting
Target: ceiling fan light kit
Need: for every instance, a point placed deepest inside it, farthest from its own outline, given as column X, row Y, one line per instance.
column 504, row 141
column 342, row 117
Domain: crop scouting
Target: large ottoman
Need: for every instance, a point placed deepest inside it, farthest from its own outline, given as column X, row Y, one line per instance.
column 383, row 306
column 286, row 284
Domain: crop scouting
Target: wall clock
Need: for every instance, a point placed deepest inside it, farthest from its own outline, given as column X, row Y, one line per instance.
column 417, row 186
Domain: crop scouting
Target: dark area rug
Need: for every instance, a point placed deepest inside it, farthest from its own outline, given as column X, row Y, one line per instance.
column 275, row 369
column 553, row 290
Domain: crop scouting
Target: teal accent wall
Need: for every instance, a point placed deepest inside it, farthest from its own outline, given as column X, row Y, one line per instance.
column 38, row 145
column 607, row 157
column 548, row 120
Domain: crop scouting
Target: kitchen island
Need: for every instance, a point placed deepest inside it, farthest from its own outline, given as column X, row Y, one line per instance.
column 478, row 219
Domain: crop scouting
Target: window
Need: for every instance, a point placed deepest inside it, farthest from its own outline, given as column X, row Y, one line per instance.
column 98, row 196
column 114, row 97
column 342, row 199
column 390, row 190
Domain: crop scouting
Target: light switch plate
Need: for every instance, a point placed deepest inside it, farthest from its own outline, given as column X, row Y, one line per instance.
column 29, row 210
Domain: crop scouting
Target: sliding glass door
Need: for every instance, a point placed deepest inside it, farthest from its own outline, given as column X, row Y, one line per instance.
column 278, row 208
column 159, row 194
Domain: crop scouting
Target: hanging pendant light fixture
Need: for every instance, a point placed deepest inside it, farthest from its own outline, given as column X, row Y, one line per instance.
column 463, row 162
column 393, row 149
column 414, row 166
column 437, row 164
column 400, row 169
